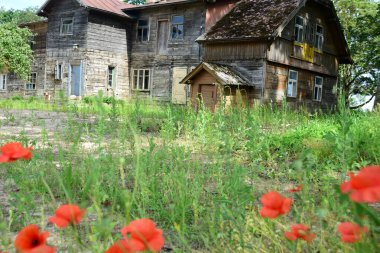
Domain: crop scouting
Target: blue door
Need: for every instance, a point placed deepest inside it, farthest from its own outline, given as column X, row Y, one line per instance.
column 75, row 80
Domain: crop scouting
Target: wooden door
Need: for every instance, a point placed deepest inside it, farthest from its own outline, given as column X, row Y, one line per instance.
column 163, row 36
column 208, row 96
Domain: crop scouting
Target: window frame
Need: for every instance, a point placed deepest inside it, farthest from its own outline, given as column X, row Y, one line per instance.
column 294, row 84
column 147, row 27
column 299, row 27
column 61, row 26
column 111, row 74
column 58, row 71
column 319, row 88
column 177, row 24
column 136, row 86
column 318, row 36
column 4, row 80
column 34, row 84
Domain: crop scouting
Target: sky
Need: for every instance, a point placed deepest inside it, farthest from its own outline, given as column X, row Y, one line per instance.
column 20, row 4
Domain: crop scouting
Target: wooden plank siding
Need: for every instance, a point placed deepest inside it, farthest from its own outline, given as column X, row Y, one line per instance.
column 179, row 53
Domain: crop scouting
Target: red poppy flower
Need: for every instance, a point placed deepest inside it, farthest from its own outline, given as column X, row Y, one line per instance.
column 67, row 214
column 13, row 151
column 296, row 189
column 32, row 240
column 121, row 246
column 365, row 186
column 274, row 204
column 144, row 235
column 351, row 232
column 299, row 231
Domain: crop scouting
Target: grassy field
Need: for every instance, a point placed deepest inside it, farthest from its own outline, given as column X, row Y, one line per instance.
column 200, row 176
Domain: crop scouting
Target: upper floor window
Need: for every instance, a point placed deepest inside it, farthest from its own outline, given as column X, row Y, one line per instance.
column 141, row 79
column 299, row 29
column 177, row 27
column 67, row 26
column 142, row 30
column 111, row 80
column 319, row 37
column 31, row 84
column 292, row 83
column 3, row 81
column 318, row 88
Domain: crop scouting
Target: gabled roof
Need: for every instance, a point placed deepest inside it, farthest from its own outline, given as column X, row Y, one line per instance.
column 108, row 6
column 253, row 20
column 225, row 75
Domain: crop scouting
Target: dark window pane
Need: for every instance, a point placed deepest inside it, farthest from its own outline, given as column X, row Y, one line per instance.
column 141, row 79
column 146, row 82
column 145, row 34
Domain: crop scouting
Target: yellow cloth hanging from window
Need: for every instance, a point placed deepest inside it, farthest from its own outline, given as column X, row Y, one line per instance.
column 307, row 52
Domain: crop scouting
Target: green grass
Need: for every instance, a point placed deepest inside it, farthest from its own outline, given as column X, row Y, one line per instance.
column 198, row 176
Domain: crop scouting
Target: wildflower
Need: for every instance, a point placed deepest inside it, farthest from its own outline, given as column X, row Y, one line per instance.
column 67, row 214
column 144, row 235
column 13, row 151
column 365, row 186
column 296, row 189
column 121, row 246
column 300, row 231
column 274, row 204
column 351, row 232
column 32, row 240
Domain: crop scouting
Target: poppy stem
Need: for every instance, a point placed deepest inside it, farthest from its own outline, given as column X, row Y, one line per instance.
column 369, row 211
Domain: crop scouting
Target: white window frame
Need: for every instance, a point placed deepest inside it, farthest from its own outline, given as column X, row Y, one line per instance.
column 112, row 75
column 300, row 28
column 176, row 25
column 319, row 38
column 293, row 83
column 137, row 86
column 3, row 82
column 147, row 27
column 30, row 85
column 67, row 32
column 317, row 91
column 58, row 71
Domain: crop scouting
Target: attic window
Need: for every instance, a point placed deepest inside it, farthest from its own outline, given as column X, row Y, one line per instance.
column 319, row 37
column 67, row 26
column 177, row 27
column 299, row 29
column 142, row 30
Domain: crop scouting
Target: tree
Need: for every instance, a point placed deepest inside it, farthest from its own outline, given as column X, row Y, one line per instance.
column 19, row 16
column 360, row 20
column 15, row 52
column 136, row 2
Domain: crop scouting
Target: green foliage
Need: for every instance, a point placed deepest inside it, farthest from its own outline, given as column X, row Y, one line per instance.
column 19, row 16
column 360, row 20
column 136, row 2
column 199, row 176
column 15, row 53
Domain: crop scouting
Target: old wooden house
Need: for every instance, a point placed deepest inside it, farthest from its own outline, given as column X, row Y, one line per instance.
column 186, row 51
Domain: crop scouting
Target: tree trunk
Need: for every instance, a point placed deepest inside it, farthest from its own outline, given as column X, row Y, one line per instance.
column 377, row 99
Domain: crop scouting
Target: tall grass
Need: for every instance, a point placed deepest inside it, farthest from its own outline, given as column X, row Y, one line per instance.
column 198, row 175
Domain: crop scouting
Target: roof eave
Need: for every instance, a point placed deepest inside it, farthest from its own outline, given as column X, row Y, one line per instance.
column 146, row 6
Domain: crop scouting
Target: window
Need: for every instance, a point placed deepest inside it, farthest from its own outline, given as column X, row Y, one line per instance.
column 67, row 26
column 319, row 38
column 111, row 79
column 141, row 79
column 299, row 29
column 31, row 84
column 58, row 71
column 292, row 83
column 318, row 88
column 177, row 27
column 3, row 81
column 143, row 30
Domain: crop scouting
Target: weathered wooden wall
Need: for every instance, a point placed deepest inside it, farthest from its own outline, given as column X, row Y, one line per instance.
column 276, row 88
column 180, row 53
column 107, row 45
